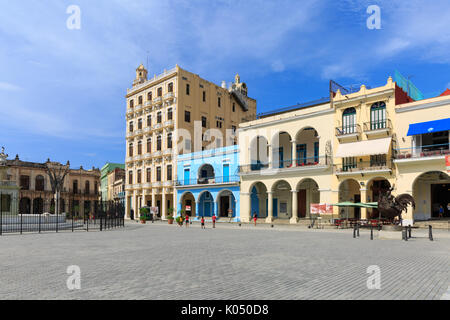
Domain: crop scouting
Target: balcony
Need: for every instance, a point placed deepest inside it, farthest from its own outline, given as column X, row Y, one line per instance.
column 8, row 184
column 147, row 185
column 208, row 181
column 137, row 158
column 157, row 126
column 168, row 183
column 139, row 132
column 422, row 153
column 130, row 134
column 157, row 184
column 148, row 104
column 138, row 108
column 157, row 101
column 130, row 111
column 350, row 132
column 364, row 167
column 169, row 96
column 167, row 152
column 377, row 128
column 157, row 154
column 168, row 123
column 302, row 164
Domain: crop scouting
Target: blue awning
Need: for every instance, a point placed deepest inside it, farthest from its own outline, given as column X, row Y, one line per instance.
column 429, row 127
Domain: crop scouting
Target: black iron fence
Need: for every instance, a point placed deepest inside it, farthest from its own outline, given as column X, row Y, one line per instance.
column 39, row 215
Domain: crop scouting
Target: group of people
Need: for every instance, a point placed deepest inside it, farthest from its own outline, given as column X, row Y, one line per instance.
column 202, row 221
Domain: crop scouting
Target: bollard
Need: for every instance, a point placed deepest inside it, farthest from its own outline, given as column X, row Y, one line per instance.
column 430, row 232
column 354, row 231
column 409, row 231
column 371, row 232
column 239, row 224
column 404, row 234
column 271, row 226
column 357, row 230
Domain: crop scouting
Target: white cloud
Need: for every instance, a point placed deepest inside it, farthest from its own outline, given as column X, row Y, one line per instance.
column 9, row 87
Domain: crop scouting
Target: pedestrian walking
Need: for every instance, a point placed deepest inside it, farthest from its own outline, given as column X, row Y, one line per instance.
column 214, row 220
column 255, row 217
column 187, row 221
column 202, row 221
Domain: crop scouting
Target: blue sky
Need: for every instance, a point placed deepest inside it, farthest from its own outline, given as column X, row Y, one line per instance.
column 62, row 91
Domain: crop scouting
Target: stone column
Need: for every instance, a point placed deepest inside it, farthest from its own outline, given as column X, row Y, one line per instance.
column 163, row 205
column 270, row 207
column 197, row 209
column 294, row 218
column 294, row 153
column 363, row 192
column 153, row 199
column 270, row 156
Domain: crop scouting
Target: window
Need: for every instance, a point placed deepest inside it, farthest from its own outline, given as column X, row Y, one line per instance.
column 131, row 103
column 159, row 117
column 149, row 145
column 130, row 150
column 378, row 160
column 87, row 187
column 139, row 176
column 169, row 114
column 149, row 96
column 378, row 116
column 159, row 92
column 187, row 89
column 187, row 116
column 149, row 120
column 169, row 140
column 218, row 102
column 131, row 126
column 204, row 96
column 219, row 124
column 348, row 163
column 234, row 107
column 149, row 174
column 233, row 129
column 95, row 187
column 25, row 182
column 40, row 184
column 75, row 186
column 204, row 122
column 158, row 173
column 349, row 121
column 130, row 177
column 169, row 172
column 139, row 124
column 139, row 148
column 140, row 100
column 316, row 152
column 158, row 143
column 170, row 87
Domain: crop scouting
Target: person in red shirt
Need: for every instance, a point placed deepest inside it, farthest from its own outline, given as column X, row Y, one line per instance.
column 255, row 217
column 187, row 221
column 203, row 222
column 214, row 220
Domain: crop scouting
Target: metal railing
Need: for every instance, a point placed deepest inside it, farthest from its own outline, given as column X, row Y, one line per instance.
column 20, row 216
column 208, row 180
column 359, row 166
column 304, row 162
column 377, row 125
column 349, row 129
column 423, row 151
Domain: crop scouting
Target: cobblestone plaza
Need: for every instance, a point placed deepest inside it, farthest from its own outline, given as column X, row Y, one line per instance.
column 160, row 261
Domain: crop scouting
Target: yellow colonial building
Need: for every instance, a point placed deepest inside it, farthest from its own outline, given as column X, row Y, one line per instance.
column 171, row 113
column 348, row 148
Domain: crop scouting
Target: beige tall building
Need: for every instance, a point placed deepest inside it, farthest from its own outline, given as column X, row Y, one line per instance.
column 162, row 114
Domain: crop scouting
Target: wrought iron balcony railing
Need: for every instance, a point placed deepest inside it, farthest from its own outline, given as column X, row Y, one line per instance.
column 363, row 166
column 304, row 162
column 377, row 125
column 353, row 129
column 208, row 180
column 423, row 151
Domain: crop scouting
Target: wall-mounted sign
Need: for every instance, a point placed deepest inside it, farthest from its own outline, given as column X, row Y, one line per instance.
column 321, row 208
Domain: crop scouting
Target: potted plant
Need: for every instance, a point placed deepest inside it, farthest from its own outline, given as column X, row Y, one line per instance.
column 170, row 219
column 144, row 214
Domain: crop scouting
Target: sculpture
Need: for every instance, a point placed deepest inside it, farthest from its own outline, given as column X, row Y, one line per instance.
column 390, row 207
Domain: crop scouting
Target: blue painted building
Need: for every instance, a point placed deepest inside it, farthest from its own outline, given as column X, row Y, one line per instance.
column 208, row 183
